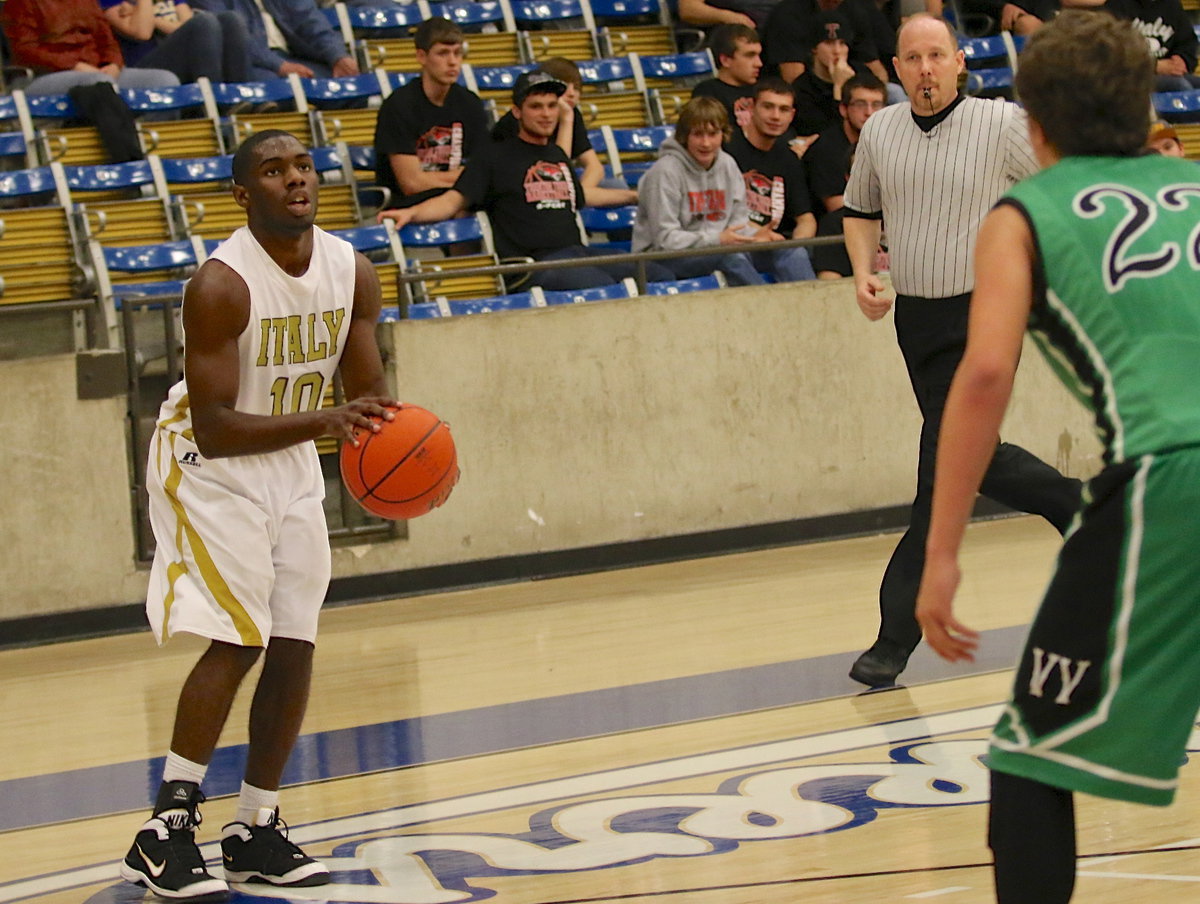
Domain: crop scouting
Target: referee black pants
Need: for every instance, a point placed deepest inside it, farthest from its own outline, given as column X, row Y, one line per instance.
column 933, row 334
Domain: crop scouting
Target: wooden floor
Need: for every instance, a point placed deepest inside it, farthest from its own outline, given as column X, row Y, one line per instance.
column 676, row 734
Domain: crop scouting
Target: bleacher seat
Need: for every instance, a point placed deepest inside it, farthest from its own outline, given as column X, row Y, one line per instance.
column 610, row 74
column 627, row 288
column 121, row 203
column 635, row 26
column 675, row 71
column 601, row 223
column 681, row 286
column 441, row 280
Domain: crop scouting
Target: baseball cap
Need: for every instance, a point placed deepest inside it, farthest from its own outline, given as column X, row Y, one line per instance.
column 830, row 25
column 1162, row 130
column 536, row 82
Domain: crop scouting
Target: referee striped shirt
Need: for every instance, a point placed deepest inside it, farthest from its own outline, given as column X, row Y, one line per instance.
column 934, row 188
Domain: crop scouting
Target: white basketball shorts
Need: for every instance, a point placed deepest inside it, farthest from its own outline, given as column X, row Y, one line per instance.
column 242, row 546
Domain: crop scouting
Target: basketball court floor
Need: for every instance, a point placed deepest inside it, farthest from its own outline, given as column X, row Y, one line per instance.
column 673, row 734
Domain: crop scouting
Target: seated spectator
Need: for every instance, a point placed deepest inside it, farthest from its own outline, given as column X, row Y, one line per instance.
column 166, row 34
column 819, row 87
column 286, row 36
column 737, row 50
column 828, row 159
column 796, row 26
column 1165, row 140
column 1021, row 18
column 573, row 138
column 694, row 197
column 776, row 194
column 68, row 43
column 705, row 13
column 531, row 193
column 428, row 129
column 1167, row 29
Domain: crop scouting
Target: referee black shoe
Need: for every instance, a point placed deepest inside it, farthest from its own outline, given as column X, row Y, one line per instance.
column 880, row 665
column 164, row 856
column 263, row 853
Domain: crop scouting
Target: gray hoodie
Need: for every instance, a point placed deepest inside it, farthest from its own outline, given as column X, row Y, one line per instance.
column 682, row 205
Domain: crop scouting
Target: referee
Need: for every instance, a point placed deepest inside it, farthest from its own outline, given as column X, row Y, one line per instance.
column 931, row 169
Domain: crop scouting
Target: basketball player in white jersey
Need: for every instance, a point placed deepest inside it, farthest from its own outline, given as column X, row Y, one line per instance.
column 235, row 502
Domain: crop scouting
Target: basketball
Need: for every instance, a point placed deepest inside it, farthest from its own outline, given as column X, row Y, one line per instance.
column 406, row 469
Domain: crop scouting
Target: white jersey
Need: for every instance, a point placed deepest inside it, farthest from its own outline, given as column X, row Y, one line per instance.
column 934, row 188
column 295, row 333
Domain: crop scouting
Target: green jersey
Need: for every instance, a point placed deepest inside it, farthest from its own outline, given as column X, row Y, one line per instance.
column 1117, row 298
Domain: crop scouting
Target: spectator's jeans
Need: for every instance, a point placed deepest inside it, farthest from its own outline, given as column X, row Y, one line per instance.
column 1176, row 82
column 62, row 82
column 212, row 45
column 785, row 264
column 591, row 275
column 738, row 268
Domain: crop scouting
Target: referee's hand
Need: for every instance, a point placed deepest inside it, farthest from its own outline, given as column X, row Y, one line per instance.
column 871, row 300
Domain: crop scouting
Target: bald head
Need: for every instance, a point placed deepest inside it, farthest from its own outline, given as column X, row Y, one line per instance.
column 928, row 62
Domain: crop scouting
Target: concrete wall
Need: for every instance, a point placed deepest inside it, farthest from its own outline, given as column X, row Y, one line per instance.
column 579, row 425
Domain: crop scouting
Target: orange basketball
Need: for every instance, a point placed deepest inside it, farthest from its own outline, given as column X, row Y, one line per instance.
column 406, row 469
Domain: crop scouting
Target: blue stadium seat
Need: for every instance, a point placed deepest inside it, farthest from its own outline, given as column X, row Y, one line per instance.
column 679, row 286
column 1179, row 106
column 627, row 288
column 322, row 92
column 678, row 66
column 513, row 302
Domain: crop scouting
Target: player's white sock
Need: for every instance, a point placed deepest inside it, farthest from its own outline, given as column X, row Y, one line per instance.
column 179, row 769
column 251, row 800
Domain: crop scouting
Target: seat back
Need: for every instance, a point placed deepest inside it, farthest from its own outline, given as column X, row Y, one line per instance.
column 619, row 109
column 37, row 256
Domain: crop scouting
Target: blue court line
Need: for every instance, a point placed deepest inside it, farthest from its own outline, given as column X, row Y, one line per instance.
column 122, row 787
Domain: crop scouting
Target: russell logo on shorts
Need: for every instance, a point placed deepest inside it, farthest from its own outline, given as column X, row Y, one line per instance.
column 190, row 458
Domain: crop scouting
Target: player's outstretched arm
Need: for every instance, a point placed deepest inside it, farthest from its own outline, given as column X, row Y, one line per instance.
column 971, row 423
column 216, row 310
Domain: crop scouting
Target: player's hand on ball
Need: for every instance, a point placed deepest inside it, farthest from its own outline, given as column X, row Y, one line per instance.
column 359, row 413
column 871, row 300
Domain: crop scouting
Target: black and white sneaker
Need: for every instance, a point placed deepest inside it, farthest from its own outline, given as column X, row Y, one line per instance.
column 262, row 853
column 164, row 856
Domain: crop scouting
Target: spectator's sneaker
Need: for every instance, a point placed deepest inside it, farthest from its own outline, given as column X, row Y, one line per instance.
column 880, row 665
column 262, row 853
column 164, row 856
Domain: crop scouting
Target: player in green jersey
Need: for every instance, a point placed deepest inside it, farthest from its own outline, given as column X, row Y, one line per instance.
column 1099, row 255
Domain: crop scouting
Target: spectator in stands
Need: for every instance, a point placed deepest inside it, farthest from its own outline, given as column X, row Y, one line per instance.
column 573, row 138
column 694, row 197
column 68, row 43
column 738, row 52
column 705, row 13
column 166, row 34
column 795, row 26
column 776, row 194
column 531, row 193
column 1021, row 18
column 828, row 159
column 428, row 129
column 1165, row 140
column 1167, row 29
column 819, row 87
column 286, row 36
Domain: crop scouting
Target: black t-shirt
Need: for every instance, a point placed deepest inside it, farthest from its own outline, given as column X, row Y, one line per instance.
column 737, row 99
column 828, row 164
column 531, row 194
column 441, row 138
column 816, row 109
column 776, row 192
column 831, row 257
column 506, row 127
